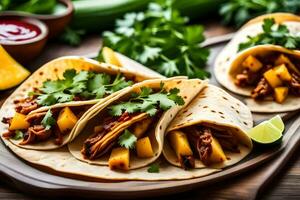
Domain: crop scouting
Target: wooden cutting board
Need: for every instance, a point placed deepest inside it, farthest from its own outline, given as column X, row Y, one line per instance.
column 245, row 186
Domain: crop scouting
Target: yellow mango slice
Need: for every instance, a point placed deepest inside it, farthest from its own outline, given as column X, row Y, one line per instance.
column 283, row 73
column 11, row 72
column 180, row 143
column 252, row 63
column 139, row 128
column 272, row 78
column 280, row 94
column 66, row 119
column 18, row 122
column 119, row 159
column 217, row 154
column 282, row 59
column 144, row 148
column 110, row 57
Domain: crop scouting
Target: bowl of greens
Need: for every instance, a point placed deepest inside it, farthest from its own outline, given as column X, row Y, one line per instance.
column 56, row 14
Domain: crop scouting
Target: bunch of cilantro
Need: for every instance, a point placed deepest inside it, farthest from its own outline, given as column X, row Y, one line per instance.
column 272, row 34
column 84, row 84
column 161, row 39
column 237, row 12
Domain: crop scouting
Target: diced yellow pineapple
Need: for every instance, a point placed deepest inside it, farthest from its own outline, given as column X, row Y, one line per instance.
column 66, row 119
column 144, row 148
column 217, row 154
column 272, row 78
column 180, row 143
column 283, row 72
column 280, row 94
column 252, row 63
column 18, row 122
column 139, row 128
column 110, row 57
column 282, row 59
column 119, row 159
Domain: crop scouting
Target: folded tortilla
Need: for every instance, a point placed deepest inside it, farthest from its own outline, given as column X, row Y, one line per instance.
column 215, row 109
column 52, row 71
column 229, row 61
column 188, row 90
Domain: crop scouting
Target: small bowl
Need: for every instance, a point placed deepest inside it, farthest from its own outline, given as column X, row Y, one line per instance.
column 25, row 51
column 55, row 22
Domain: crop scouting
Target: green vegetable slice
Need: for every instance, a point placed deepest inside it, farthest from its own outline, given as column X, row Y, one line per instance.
column 267, row 132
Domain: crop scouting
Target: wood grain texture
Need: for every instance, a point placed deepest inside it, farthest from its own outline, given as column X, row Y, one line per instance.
column 285, row 185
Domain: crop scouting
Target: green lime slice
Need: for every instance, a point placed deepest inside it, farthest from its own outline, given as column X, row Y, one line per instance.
column 266, row 133
column 277, row 122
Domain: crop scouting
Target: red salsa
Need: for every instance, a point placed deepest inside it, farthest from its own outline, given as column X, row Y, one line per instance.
column 16, row 30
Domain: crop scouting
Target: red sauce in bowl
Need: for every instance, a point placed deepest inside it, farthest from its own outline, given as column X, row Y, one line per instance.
column 16, row 31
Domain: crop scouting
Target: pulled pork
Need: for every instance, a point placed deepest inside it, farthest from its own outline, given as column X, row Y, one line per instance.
column 246, row 78
column 25, row 106
column 36, row 133
column 92, row 147
column 201, row 139
column 261, row 90
column 295, row 85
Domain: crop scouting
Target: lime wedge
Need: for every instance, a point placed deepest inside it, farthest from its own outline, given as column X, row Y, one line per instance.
column 277, row 122
column 267, row 132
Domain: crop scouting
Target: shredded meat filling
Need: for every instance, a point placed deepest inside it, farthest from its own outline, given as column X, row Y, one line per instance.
column 25, row 106
column 261, row 90
column 91, row 148
column 201, row 139
column 295, row 85
column 246, row 78
column 37, row 132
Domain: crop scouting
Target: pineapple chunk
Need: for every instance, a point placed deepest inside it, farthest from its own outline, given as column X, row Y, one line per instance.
column 283, row 72
column 144, row 148
column 252, row 63
column 66, row 119
column 18, row 122
column 282, row 59
column 281, row 94
column 272, row 78
column 119, row 159
column 110, row 57
column 180, row 143
column 139, row 128
column 217, row 154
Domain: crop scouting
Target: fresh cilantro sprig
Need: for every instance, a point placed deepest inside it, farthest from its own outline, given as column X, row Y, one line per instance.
column 48, row 121
column 84, row 84
column 148, row 102
column 272, row 34
column 127, row 140
column 237, row 12
column 153, row 168
column 161, row 39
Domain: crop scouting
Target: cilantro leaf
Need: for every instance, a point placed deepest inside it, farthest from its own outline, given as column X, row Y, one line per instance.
column 127, row 140
column 273, row 34
column 148, row 102
column 84, row 84
column 48, row 121
column 160, row 38
column 18, row 135
column 153, row 168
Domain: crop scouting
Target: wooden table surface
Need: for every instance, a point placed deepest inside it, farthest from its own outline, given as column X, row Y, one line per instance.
column 285, row 185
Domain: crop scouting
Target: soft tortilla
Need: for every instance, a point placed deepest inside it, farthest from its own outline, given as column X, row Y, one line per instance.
column 51, row 71
column 229, row 60
column 188, row 90
column 217, row 108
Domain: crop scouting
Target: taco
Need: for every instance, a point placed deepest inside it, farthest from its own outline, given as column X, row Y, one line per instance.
column 43, row 111
column 127, row 131
column 267, row 70
column 210, row 132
